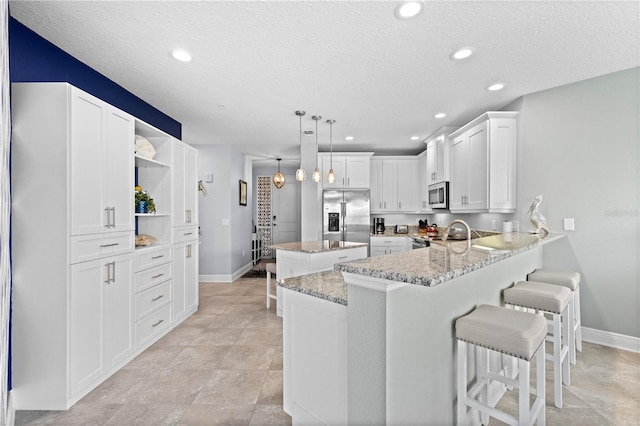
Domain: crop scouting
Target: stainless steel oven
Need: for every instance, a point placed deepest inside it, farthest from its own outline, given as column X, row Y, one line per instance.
column 439, row 195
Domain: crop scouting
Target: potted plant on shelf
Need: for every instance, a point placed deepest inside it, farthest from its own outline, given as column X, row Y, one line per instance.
column 144, row 203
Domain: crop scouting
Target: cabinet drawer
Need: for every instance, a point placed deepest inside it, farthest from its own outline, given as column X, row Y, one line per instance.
column 186, row 233
column 152, row 298
column 147, row 258
column 326, row 260
column 90, row 247
column 153, row 325
column 152, row 276
column 389, row 241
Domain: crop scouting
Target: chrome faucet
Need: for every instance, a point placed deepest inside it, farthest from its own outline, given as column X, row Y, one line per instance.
column 460, row 221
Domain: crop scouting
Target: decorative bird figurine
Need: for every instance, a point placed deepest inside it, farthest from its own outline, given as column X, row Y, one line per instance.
column 537, row 219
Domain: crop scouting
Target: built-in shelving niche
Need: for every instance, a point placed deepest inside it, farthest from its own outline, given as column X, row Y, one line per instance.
column 154, row 176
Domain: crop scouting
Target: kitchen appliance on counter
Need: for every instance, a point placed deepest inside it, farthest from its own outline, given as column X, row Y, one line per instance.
column 402, row 229
column 345, row 215
column 419, row 242
column 439, row 195
column 378, row 225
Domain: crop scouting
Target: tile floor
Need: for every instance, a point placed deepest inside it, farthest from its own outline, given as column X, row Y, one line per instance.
column 223, row 365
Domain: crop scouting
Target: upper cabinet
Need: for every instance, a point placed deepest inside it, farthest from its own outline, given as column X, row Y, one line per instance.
column 101, row 172
column 352, row 170
column 393, row 184
column 437, row 153
column 423, row 184
column 483, row 165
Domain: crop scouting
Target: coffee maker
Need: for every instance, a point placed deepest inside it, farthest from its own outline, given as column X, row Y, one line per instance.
column 378, row 225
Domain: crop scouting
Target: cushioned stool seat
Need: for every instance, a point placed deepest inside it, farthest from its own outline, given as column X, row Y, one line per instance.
column 271, row 269
column 571, row 280
column 515, row 333
column 554, row 300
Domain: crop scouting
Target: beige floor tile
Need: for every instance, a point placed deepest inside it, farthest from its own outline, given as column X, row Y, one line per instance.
column 218, row 336
column 155, row 357
column 148, row 414
column 276, row 363
column 119, row 388
column 260, row 336
column 260, row 299
column 230, row 321
column 232, row 387
column 172, row 387
column 181, row 336
column 266, row 319
column 205, row 415
column 271, row 392
column 218, row 289
column 270, row 415
column 200, row 320
column 206, row 357
column 248, row 357
column 243, row 309
column 79, row 414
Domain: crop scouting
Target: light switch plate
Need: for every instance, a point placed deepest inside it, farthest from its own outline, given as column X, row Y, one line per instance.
column 569, row 224
column 208, row 177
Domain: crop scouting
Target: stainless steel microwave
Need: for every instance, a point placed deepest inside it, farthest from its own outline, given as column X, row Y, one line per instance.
column 439, row 195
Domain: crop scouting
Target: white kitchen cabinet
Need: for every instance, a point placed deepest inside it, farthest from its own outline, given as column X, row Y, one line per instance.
column 185, row 185
column 394, row 184
column 100, row 319
column 483, row 161
column 387, row 245
column 437, row 152
column 71, row 329
column 352, row 170
column 423, row 184
column 100, row 144
column 184, row 294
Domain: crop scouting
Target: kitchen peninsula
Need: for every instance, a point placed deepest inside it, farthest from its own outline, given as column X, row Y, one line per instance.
column 306, row 257
column 374, row 341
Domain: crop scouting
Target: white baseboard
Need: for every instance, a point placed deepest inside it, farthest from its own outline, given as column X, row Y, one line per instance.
column 613, row 340
column 226, row 278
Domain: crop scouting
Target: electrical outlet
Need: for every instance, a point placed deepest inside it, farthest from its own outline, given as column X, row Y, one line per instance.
column 569, row 224
column 208, row 177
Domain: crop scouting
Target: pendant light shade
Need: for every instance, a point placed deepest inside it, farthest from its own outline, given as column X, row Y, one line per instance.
column 279, row 179
column 300, row 173
column 317, row 176
column 331, row 177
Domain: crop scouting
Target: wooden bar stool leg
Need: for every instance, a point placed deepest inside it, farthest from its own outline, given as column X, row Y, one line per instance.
column 540, row 383
column 524, row 413
column 462, row 383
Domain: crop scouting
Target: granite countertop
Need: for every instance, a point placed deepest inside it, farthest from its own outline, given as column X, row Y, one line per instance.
column 440, row 263
column 328, row 285
column 317, row 246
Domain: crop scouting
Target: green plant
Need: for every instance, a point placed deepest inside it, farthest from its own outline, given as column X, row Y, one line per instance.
column 202, row 188
column 143, row 196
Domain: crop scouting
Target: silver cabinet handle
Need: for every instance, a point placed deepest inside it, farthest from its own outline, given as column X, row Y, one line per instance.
column 108, row 266
column 348, row 181
column 111, row 272
column 188, row 233
column 113, row 217
column 157, row 257
column 343, row 257
column 106, row 214
column 157, row 298
column 385, row 204
column 158, row 323
column 109, row 245
column 156, row 276
column 188, row 215
column 380, row 204
column 399, row 204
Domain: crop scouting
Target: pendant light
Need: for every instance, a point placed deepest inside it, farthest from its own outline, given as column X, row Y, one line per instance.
column 301, row 175
column 317, row 176
column 278, row 178
column 331, row 177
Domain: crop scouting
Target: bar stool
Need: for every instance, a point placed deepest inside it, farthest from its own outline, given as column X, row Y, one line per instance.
column 554, row 300
column 571, row 280
column 271, row 269
column 506, row 331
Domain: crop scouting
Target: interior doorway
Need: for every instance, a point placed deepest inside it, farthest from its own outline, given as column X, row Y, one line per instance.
column 278, row 213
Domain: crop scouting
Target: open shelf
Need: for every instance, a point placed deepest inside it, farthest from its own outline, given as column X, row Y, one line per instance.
column 145, row 162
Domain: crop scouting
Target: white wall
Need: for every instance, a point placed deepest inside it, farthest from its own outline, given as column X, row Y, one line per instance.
column 225, row 225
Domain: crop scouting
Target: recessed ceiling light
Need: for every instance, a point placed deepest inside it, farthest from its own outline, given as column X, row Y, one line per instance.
column 495, row 86
column 440, row 115
column 415, row 138
column 408, row 9
column 463, row 53
column 181, row 55
column 348, row 138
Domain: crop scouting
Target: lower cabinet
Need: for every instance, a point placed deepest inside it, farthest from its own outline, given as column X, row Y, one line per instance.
column 184, row 295
column 387, row 245
column 101, row 319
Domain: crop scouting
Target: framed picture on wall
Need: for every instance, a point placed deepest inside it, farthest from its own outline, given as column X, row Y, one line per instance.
column 243, row 193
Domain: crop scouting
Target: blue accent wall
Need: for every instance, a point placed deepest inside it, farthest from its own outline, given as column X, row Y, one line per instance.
column 35, row 59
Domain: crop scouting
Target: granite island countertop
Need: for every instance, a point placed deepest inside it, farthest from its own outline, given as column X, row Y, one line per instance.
column 317, row 246
column 427, row 266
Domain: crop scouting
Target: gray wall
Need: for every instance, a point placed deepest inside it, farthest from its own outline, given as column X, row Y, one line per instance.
column 222, row 246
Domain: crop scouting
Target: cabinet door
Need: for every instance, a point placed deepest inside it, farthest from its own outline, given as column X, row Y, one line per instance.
column 441, row 159
column 119, row 164
column 87, row 166
column 407, row 185
column 119, row 311
column 191, row 276
column 191, row 185
column 378, row 251
column 338, row 169
column 458, row 183
column 431, row 162
column 179, row 213
column 389, row 185
column 178, row 299
column 477, row 166
column 377, row 197
column 423, row 185
column 358, row 172
column 86, row 323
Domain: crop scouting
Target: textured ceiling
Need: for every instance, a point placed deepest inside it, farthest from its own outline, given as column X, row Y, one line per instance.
column 382, row 79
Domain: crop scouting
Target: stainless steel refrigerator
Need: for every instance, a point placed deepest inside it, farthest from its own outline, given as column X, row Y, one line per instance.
column 345, row 215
